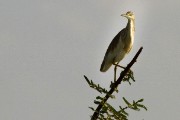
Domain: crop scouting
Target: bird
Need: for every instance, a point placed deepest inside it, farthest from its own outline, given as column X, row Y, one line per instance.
column 120, row 45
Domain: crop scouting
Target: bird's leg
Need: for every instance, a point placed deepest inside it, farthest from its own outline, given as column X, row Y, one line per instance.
column 116, row 65
column 115, row 68
column 130, row 72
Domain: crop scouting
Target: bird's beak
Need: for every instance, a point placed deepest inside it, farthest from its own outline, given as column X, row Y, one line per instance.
column 124, row 15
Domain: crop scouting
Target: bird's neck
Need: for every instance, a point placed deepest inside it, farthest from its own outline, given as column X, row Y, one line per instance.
column 131, row 26
column 130, row 33
column 130, row 30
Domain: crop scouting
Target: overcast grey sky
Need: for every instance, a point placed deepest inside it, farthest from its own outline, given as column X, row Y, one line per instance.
column 46, row 46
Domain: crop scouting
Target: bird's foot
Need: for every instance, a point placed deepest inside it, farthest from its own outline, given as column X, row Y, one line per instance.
column 129, row 76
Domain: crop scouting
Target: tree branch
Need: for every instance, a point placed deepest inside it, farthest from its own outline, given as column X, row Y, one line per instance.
column 96, row 113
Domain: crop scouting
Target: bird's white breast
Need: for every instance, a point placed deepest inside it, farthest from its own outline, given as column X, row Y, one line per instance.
column 132, row 32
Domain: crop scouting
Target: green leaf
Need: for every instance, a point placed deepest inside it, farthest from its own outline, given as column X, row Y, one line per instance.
column 142, row 106
column 101, row 116
column 103, row 111
column 87, row 79
column 126, row 102
column 134, row 107
column 141, row 100
column 104, row 108
column 122, row 110
column 98, row 90
column 115, row 114
column 92, row 108
column 96, row 102
column 98, row 97
column 134, row 102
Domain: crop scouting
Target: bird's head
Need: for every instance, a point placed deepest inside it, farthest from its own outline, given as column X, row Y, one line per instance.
column 129, row 15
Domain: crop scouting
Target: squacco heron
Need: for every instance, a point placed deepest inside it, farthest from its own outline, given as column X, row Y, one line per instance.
column 120, row 45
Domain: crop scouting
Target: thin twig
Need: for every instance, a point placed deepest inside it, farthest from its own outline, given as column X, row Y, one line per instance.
column 96, row 113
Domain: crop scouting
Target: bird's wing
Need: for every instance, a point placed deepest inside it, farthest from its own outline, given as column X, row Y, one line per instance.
column 111, row 52
column 117, row 40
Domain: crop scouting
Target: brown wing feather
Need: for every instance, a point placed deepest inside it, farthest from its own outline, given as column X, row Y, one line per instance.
column 106, row 64
column 115, row 41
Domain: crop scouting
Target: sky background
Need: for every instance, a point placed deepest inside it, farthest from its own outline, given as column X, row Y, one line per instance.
column 46, row 46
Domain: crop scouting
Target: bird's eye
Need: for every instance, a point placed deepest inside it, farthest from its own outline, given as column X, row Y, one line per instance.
column 129, row 13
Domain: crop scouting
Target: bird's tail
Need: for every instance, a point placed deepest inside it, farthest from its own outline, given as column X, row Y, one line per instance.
column 105, row 66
